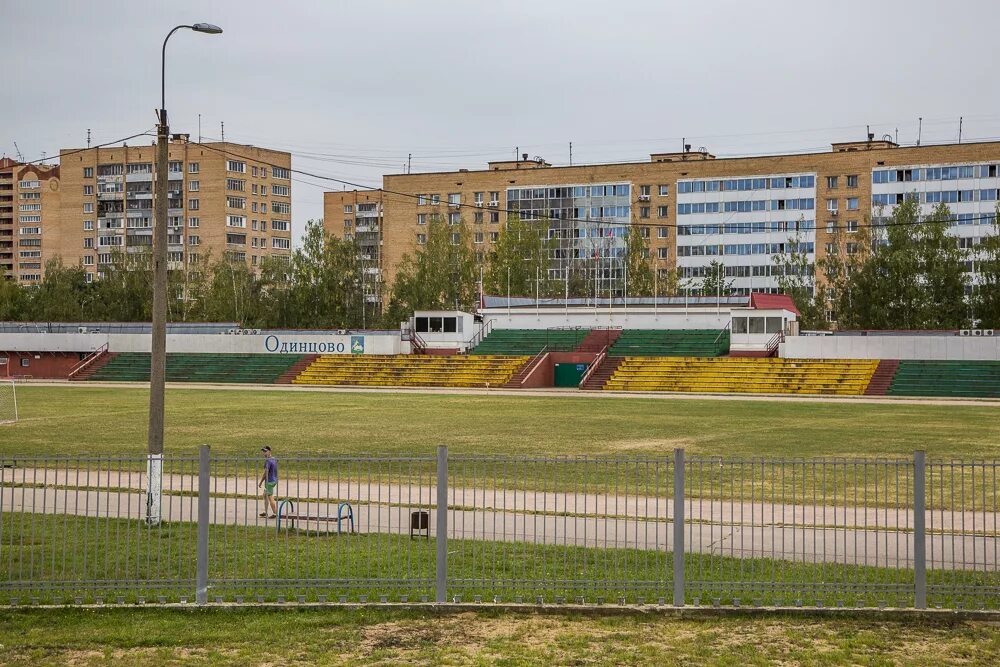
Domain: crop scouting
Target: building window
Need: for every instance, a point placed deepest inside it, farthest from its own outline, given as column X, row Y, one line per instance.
column 661, row 211
column 643, row 211
column 478, row 238
column 644, row 232
column 478, row 198
column 664, row 190
column 644, row 190
column 253, row 207
column 88, row 207
column 454, row 218
column 831, row 182
column 237, row 166
column 281, row 207
column 236, row 239
column 852, row 204
column 276, row 225
column 852, row 226
column 421, row 218
column 852, row 248
column 662, row 253
column 281, row 172
column 435, row 200
column 662, row 232
column 494, row 199
column 193, row 167
column 194, row 186
column 454, row 199
column 279, row 190
column 477, row 218
column 236, row 221
column 194, row 222
column 236, row 184
column 348, row 208
column 88, row 189
column 421, row 200
column 194, row 240
column 831, row 204
column 831, row 226
column 421, row 239
column 88, row 225
column 236, row 202
column 494, row 237
column 280, row 244
column 88, row 172
column 852, row 181
column 193, row 204
column 88, row 242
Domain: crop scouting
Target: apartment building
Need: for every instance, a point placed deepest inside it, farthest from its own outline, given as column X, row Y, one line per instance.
column 692, row 207
column 357, row 215
column 224, row 199
column 29, row 205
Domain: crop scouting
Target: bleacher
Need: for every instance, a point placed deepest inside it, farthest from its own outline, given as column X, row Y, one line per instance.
column 411, row 370
column 671, row 343
column 528, row 342
column 247, row 368
column 743, row 375
column 972, row 379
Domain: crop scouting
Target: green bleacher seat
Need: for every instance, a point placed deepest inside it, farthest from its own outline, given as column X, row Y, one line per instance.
column 529, row 342
column 235, row 368
column 671, row 343
column 971, row 379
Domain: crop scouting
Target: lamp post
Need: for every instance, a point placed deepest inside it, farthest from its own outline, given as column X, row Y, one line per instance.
column 158, row 347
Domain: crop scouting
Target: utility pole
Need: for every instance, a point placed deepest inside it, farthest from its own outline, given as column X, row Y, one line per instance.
column 158, row 345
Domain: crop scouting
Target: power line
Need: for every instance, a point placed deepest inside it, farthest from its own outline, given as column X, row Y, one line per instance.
column 144, row 133
column 602, row 223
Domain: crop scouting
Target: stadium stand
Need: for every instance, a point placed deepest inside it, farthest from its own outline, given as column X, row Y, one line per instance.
column 411, row 370
column 248, row 368
column 743, row 375
column 973, row 379
column 528, row 342
column 671, row 343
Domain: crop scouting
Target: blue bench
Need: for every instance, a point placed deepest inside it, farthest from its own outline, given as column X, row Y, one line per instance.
column 286, row 511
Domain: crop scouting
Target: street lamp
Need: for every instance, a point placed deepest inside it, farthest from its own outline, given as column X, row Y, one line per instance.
column 158, row 347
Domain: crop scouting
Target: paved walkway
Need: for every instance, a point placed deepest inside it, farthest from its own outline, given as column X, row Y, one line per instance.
column 794, row 532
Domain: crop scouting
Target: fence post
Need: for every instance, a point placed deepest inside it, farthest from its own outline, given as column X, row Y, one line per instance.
column 678, row 527
column 441, row 588
column 204, row 486
column 919, row 531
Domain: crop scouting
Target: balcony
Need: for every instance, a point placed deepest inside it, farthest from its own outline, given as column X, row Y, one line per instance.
column 135, row 178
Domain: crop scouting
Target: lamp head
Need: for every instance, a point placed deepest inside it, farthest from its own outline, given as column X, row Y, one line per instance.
column 207, row 28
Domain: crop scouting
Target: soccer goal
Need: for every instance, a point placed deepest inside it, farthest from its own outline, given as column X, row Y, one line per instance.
column 8, row 402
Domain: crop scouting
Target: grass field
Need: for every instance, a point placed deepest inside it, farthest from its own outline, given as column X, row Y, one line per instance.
column 384, row 637
column 97, row 420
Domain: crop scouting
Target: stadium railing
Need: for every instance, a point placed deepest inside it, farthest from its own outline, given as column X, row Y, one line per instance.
column 663, row 531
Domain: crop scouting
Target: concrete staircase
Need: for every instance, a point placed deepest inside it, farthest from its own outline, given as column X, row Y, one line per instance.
column 603, row 373
column 522, row 373
column 597, row 339
column 296, row 368
column 94, row 366
column 882, row 378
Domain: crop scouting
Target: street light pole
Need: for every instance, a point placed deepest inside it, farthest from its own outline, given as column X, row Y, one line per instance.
column 158, row 345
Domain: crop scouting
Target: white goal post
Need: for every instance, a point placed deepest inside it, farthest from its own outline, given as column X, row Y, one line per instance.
column 8, row 402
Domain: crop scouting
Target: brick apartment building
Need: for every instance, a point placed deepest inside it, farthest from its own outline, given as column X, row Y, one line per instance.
column 692, row 207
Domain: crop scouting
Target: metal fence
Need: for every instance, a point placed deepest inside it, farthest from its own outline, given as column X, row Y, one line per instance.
column 467, row 528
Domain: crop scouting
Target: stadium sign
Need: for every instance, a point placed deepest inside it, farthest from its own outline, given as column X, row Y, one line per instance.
column 325, row 346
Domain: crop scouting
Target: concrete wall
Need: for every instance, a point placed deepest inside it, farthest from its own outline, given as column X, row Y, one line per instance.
column 273, row 343
column 891, row 347
column 588, row 318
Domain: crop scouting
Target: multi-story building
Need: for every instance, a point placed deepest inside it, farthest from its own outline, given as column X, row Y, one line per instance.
column 691, row 207
column 357, row 215
column 29, row 207
column 224, row 199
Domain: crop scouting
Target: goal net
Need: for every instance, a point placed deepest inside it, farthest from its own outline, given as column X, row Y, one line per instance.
column 8, row 402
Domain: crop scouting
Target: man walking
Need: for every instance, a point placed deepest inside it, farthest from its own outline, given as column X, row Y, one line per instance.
column 269, row 480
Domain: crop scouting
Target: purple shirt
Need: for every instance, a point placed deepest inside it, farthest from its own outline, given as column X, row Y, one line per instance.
column 271, row 469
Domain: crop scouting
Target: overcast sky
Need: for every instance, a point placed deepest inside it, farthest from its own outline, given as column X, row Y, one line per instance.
column 351, row 88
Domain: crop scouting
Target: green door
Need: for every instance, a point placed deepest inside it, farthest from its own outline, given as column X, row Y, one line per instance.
column 569, row 375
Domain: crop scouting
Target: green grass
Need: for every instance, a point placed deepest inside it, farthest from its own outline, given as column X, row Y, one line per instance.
column 149, row 638
column 66, row 559
column 97, row 420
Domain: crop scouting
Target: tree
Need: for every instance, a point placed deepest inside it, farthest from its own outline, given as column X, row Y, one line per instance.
column 63, row 296
column 715, row 281
column 520, row 260
column 14, row 301
column 942, row 268
column 440, row 275
column 986, row 300
column 324, row 286
column 797, row 279
column 638, row 271
column 124, row 293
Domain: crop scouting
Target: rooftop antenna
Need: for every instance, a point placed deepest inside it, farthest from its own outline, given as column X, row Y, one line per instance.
column 920, row 128
column 571, row 153
column 959, row 129
column 20, row 158
column 868, row 131
column 409, row 158
column 222, row 124
column 517, row 149
column 88, row 137
column 897, row 135
column 682, row 144
column 199, row 128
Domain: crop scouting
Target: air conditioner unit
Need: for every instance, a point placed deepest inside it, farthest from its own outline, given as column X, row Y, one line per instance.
column 977, row 332
column 832, row 211
column 987, row 332
column 82, row 330
column 643, row 197
column 341, row 331
column 479, row 204
column 964, row 332
column 493, row 204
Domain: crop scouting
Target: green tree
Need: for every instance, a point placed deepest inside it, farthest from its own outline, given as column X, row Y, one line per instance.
column 63, row 295
column 715, row 281
column 639, row 271
column 232, row 294
column 324, row 288
column 441, row 275
column 987, row 289
column 14, row 301
column 942, row 273
column 124, row 293
column 797, row 279
column 520, row 258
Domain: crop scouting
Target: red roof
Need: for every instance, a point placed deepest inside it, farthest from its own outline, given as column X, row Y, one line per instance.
column 773, row 302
